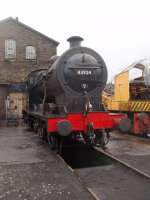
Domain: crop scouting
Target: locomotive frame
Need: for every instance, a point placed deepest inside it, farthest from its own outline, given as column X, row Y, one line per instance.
column 53, row 128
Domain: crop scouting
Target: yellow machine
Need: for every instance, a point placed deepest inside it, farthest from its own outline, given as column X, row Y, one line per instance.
column 132, row 96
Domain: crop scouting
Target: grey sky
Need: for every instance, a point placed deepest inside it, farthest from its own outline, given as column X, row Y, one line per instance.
column 119, row 30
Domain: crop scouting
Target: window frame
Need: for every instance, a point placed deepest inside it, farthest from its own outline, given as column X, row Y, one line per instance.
column 10, row 49
column 29, row 55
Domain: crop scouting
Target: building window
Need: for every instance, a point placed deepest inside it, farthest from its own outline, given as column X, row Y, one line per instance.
column 30, row 53
column 10, row 49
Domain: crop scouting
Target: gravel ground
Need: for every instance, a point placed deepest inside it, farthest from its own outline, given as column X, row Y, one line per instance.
column 35, row 181
column 30, row 171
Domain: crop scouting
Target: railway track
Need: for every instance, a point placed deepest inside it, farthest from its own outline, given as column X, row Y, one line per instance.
column 114, row 179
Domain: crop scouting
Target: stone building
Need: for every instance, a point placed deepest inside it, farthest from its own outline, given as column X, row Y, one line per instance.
column 22, row 49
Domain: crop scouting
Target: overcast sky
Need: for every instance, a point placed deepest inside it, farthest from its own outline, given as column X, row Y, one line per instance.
column 118, row 29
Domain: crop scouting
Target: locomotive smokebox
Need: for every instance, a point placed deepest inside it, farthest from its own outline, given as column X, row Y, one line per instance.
column 78, row 73
column 75, row 41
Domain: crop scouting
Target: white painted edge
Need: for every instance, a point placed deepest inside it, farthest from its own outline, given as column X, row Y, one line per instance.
column 93, row 193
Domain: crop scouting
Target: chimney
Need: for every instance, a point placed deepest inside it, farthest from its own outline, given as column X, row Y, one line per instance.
column 17, row 19
column 75, row 41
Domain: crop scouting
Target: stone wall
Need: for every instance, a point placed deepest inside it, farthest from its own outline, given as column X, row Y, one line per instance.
column 13, row 71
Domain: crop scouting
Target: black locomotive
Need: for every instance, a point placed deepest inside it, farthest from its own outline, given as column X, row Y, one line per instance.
column 78, row 75
column 65, row 99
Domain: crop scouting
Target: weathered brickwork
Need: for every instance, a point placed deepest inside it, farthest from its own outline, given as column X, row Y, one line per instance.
column 14, row 71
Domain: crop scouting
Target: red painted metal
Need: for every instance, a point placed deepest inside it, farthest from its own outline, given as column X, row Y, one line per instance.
column 79, row 121
column 136, row 128
column 141, row 126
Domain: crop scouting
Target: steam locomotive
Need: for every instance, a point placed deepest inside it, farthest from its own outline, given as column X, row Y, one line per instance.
column 65, row 99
